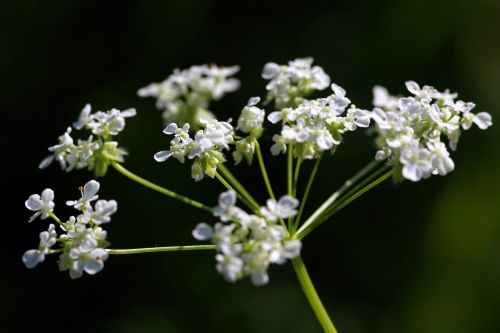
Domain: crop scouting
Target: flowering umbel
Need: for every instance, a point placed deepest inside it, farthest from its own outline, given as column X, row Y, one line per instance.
column 247, row 244
column 411, row 129
column 82, row 240
column 414, row 137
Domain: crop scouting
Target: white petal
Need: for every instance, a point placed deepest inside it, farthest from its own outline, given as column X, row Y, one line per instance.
column 413, row 87
column 203, row 232
column 33, row 203
column 46, row 162
column 90, row 189
column 412, row 172
column 259, row 278
column 31, row 258
column 170, row 129
column 270, row 70
column 275, row 117
column 338, row 90
column 253, row 101
column 47, row 196
column 227, row 199
column 162, row 156
column 483, row 120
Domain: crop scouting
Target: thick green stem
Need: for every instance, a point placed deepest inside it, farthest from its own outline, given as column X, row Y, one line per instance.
column 263, row 170
column 343, row 189
column 118, row 167
column 312, row 295
column 237, row 185
column 161, row 249
column 306, row 193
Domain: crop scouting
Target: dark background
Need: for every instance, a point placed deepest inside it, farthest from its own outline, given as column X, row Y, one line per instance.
column 413, row 258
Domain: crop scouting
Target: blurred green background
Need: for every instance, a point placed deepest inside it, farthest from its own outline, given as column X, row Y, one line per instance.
column 413, row 258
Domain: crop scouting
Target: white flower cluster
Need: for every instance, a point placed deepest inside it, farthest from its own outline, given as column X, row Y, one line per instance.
column 288, row 85
column 317, row 125
column 205, row 148
column 83, row 240
column 248, row 244
column 410, row 129
column 249, row 122
column 186, row 94
column 93, row 154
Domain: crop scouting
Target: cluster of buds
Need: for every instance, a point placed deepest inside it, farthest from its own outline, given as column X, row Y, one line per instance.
column 82, row 240
column 411, row 129
column 186, row 94
column 99, row 150
column 247, row 244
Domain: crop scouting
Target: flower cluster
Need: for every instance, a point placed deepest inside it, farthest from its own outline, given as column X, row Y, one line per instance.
column 205, row 148
column 250, row 123
column 186, row 94
column 317, row 125
column 248, row 244
column 99, row 150
column 83, row 240
column 411, row 129
column 289, row 85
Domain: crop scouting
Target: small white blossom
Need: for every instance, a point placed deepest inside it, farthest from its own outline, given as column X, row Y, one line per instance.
column 89, row 193
column 31, row 258
column 285, row 207
column 101, row 213
column 42, row 205
column 289, row 84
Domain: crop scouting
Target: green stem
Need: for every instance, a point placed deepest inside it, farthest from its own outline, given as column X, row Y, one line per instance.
column 305, row 231
column 55, row 218
column 353, row 197
column 343, row 189
column 306, row 193
column 289, row 169
column 263, row 170
column 356, row 188
column 312, row 295
column 237, row 185
column 118, row 167
column 296, row 177
column 161, row 249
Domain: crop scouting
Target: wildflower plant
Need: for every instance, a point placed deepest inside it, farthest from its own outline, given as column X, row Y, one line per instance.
column 414, row 135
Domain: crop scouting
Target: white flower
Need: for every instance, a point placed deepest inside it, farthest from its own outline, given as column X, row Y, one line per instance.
column 251, row 118
column 89, row 193
column 356, row 118
column 43, row 205
column 101, row 213
column 84, row 119
column 80, row 260
column 284, row 208
column 416, row 163
column 289, row 84
column 440, row 158
column 229, row 266
column 227, row 210
column 31, row 258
